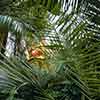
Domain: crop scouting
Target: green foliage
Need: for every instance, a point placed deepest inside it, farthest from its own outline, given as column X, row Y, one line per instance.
column 74, row 50
column 18, row 79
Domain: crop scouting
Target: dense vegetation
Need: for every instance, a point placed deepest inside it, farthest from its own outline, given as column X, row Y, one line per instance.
column 70, row 66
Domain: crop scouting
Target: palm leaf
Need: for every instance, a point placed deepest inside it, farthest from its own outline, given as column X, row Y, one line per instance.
column 19, row 76
column 76, row 51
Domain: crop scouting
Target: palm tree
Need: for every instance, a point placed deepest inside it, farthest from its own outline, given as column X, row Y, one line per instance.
column 20, row 23
column 73, row 54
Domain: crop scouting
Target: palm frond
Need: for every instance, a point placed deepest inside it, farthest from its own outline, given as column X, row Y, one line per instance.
column 75, row 49
column 15, row 25
column 17, row 75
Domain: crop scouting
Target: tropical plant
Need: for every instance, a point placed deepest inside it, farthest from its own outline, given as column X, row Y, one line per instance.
column 20, row 80
column 73, row 52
